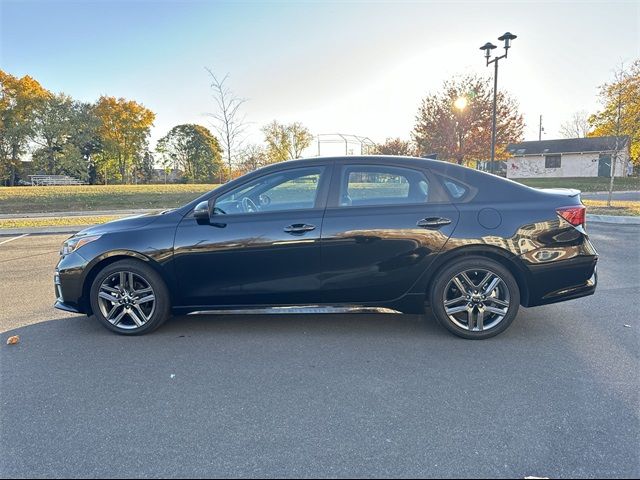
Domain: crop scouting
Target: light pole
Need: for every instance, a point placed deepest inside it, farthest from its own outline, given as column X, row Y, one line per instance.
column 487, row 47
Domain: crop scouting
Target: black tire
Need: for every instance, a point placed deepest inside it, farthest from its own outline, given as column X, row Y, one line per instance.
column 444, row 287
column 156, row 314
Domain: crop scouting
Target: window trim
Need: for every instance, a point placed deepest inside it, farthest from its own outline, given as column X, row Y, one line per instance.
column 333, row 202
column 321, row 195
column 471, row 193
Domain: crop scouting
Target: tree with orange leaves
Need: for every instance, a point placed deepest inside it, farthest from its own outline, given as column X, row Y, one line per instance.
column 20, row 99
column 455, row 123
column 125, row 126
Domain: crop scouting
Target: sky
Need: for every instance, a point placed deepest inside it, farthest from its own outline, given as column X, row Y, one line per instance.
column 351, row 67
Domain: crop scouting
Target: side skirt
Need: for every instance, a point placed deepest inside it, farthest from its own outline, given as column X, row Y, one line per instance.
column 301, row 309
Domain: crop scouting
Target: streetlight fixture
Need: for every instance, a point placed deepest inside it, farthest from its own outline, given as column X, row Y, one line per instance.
column 487, row 47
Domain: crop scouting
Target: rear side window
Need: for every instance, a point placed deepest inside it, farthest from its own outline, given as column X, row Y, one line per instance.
column 379, row 185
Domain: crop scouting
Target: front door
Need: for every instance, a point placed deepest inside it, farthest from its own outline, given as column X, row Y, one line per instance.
column 604, row 165
column 382, row 229
column 261, row 246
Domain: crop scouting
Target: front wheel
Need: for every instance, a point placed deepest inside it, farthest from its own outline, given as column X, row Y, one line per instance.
column 475, row 298
column 130, row 298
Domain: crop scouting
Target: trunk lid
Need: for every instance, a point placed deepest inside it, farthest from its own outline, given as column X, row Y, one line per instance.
column 562, row 192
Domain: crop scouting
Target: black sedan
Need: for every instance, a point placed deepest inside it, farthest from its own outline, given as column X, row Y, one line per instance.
column 392, row 233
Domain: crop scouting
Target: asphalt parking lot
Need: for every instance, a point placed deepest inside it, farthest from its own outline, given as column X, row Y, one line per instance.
column 360, row 395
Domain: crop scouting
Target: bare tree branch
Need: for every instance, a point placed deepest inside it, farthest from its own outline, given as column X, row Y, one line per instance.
column 577, row 126
column 228, row 123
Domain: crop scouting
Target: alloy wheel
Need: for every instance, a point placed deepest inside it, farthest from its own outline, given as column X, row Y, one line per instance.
column 476, row 300
column 126, row 300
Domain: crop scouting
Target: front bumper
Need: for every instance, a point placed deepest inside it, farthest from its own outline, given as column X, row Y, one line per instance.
column 68, row 283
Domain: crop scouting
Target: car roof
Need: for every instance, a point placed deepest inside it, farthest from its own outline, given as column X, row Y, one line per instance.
column 373, row 159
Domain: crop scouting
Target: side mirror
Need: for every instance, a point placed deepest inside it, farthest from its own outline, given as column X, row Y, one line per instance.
column 201, row 212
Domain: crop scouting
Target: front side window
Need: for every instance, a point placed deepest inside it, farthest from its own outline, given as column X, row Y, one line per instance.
column 552, row 161
column 379, row 185
column 294, row 189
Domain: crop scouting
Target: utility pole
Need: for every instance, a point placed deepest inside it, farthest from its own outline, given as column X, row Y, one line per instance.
column 540, row 129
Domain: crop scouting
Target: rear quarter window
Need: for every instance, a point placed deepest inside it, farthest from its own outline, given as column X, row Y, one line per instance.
column 457, row 190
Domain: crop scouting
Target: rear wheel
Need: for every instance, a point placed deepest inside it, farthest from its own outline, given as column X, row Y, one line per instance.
column 475, row 298
column 130, row 298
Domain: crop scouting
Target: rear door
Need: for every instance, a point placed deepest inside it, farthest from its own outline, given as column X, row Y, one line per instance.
column 382, row 228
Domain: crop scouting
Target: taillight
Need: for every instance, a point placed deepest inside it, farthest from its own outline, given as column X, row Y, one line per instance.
column 575, row 215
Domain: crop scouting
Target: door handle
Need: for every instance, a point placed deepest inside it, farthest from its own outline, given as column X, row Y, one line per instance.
column 299, row 228
column 433, row 222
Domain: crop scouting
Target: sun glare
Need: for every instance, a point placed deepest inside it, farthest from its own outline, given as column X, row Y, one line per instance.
column 461, row 103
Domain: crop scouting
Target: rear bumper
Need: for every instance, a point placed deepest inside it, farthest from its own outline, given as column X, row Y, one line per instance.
column 562, row 280
column 569, row 293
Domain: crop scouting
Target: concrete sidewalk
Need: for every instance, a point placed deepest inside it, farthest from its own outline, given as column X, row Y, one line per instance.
column 628, row 196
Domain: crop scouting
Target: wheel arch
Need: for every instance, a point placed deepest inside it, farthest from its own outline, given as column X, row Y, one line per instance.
column 504, row 257
column 105, row 260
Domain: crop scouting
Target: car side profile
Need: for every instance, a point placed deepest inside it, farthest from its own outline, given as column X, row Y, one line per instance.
column 397, row 233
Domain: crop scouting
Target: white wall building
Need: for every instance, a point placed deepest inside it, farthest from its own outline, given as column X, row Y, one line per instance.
column 568, row 157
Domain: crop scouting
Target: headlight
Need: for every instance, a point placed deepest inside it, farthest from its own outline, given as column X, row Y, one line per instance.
column 75, row 243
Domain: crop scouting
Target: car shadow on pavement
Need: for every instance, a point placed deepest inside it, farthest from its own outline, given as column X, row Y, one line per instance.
column 78, row 328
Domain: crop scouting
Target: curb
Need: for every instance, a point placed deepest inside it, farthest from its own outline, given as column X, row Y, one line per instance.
column 9, row 232
column 606, row 192
column 619, row 219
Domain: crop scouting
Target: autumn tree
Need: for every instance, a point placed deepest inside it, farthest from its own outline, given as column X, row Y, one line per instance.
column 228, row 119
column 464, row 134
column 577, row 126
column 65, row 137
column 622, row 93
column 54, row 125
column 251, row 157
column 19, row 100
column 285, row 142
column 194, row 150
column 620, row 115
column 145, row 168
column 125, row 126
column 395, row 146
column 86, row 136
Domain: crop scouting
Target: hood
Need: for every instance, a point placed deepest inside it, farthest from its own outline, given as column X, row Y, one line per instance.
column 127, row 223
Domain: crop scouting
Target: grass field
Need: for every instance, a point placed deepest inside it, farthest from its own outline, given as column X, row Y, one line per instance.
column 81, row 198
column 599, row 207
column 585, row 184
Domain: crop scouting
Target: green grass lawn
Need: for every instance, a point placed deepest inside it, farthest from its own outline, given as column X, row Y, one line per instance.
column 585, row 184
column 81, row 198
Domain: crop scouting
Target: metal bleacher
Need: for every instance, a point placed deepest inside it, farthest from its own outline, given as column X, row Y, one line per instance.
column 48, row 180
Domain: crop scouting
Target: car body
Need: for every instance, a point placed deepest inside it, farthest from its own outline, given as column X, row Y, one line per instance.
column 369, row 231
